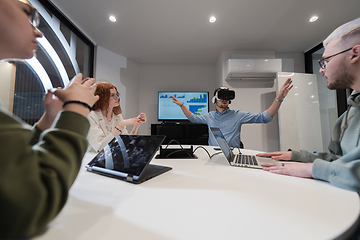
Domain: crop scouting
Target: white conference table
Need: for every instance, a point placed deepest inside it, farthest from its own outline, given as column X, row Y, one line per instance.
column 204, row 199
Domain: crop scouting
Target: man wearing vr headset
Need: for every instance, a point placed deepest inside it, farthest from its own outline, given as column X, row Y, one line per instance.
column 230, row 121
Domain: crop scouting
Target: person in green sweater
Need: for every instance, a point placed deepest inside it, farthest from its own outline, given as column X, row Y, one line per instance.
column 40, row 163
column 340, row 167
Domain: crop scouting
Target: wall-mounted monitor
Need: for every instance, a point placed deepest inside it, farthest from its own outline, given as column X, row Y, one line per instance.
column 196, row 102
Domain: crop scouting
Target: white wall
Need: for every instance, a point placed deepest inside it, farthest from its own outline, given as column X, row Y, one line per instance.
column 257, row 96
column 130, row 77
column 299, row 115
column 6, row 70
column 292, row 62
column 328, row 107
column 139, row 83
column 168, row 77
column 124, row 74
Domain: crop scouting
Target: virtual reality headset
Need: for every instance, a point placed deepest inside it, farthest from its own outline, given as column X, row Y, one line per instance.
column 224, row 94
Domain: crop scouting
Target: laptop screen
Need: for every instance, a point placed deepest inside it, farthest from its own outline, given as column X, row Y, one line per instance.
column 128, row 154
column 219, row 137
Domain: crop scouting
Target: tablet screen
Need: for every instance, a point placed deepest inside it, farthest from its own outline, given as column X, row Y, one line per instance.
column 128, row 154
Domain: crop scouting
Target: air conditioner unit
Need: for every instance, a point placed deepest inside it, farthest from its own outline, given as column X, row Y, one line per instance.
column 252, row 69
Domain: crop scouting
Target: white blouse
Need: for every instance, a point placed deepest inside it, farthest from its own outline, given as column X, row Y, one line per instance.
column 100, row 130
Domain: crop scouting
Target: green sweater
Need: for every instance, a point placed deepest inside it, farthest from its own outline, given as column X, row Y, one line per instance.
column 340, row 167
column 37, row 170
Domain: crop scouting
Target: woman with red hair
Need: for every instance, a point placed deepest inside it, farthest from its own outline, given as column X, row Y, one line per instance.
column 105, row 118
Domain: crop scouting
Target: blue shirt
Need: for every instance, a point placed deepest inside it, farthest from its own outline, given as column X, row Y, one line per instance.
column 229, row 122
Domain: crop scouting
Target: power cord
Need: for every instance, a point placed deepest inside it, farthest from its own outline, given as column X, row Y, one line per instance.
column 173, row 140
column 181, row 150
column 215, row 154
column 202, row 148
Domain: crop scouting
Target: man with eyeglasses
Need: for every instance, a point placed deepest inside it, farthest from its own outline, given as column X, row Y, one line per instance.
column 38, row 164
column 340, row 66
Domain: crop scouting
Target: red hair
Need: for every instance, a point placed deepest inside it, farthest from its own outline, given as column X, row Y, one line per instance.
column 103, row 90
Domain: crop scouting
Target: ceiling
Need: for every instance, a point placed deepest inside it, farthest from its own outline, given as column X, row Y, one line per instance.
column 179, row 32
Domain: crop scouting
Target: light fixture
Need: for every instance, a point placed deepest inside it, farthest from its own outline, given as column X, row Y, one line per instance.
column 41, row 72
column 313, row 19
column 112, row 18
column 212, row 19
column 55, row 58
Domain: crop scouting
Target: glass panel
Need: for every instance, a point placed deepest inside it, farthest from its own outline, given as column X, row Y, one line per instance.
column 327, row 101
column 61, row 55
column 29, row 92
column 60, row 52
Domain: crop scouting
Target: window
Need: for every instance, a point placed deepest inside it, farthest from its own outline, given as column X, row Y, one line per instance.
column 312, row 66
column 332, row 103
column 63, row 52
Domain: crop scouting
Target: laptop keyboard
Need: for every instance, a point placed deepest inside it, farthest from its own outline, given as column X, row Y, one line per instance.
column 245, row 160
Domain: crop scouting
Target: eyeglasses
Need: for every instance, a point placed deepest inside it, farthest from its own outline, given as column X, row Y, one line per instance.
column 34, row 16
column 115, row 95
column 323, row 61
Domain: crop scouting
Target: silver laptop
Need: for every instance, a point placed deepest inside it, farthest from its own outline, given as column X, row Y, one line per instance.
column 234, row 159
column 127, row 157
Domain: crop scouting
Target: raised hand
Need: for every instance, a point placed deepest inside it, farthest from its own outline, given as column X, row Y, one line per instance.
column 142, row 117
column 176, row 101
column 52, row 107
column 285, row 89
column 78, row 90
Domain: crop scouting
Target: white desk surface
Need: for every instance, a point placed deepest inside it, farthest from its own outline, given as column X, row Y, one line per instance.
column 204, row 199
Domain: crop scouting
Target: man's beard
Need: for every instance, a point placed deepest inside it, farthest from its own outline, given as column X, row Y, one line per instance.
column 221, row 105
column 342, row 79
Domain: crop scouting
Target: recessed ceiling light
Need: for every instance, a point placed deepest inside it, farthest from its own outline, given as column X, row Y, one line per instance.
column 112, row 18
column 212, row 19
column 313, row 19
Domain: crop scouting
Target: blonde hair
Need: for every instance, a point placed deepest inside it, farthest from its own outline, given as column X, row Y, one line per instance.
column 27, row 2
column 345, row 31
